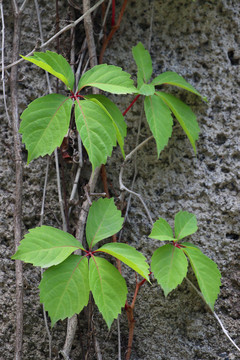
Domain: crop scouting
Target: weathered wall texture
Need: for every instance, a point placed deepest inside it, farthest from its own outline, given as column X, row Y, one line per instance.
column 199, row 40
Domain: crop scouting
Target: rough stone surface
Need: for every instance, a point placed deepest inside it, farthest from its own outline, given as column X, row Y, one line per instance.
column 199, row 40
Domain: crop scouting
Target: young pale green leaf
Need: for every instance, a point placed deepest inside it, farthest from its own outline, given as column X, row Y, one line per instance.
column 184, row 115
column 128, row 255
column 146, row 89
column 64, row 289
column 108, row 288
column 169, row 266
column 116, row 116
column 172, row 78
column 44, row 124
column 189, row 245
column 96, row 130
column 104, row 220
column 207, row 274
column 55, row 64
column 162, row 231
column 159, row 119
column 185, row 224
column 46, row 246
column 108, row 78
column 144, row 63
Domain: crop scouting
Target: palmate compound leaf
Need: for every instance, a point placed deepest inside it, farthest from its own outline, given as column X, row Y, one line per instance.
column 172, row 78
column 128, row 255
column 46, row 246
column 144, row 64
column 96, row 130
column 159, row 119
column 55, row 64
column 116, row 116
column 108, row 78
column 184, row 115
column 104, row 220
column 44, row 124
column 207, row 274
column 169, row 266
column 64, row 289
column 185, row 224
column 161, row 231
column 108, row 288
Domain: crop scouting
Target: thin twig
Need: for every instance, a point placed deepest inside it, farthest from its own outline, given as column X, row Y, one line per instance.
column 68, row 27
column 3, row 72
column 214, row 314
column 123, row 187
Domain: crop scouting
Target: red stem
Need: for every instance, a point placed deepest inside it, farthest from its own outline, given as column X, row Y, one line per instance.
column 113, row 12
column 129, row 107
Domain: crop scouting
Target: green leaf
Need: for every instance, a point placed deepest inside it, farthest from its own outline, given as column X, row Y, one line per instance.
column 108, row 288
column 162, row 231
column 55, row 64
column 147, row 89
column 207, row 274
column 185, row 224
column 96, row 130
column 159, row 119
column 189, row 245
column 169, row 266
column 144, row 63
column 172, row 78
column 115, row 115
column 44, row 124
column 184, row 115
column 108, row 78
column 104, row 220
column 64, row 289
column 46, row 246
column 128, row 255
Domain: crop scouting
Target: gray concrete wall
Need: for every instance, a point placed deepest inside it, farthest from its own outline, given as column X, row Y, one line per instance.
column 200, row 41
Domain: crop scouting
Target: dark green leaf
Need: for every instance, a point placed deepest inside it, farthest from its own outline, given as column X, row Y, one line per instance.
column 128, row 255
column 116, row 116
column 159, row 119
column 64, row 289
column 207, row 274
column 44, row 124
column 144, row 63
column 104, row 220
column 96, row 130
column 162, row 231
column 108, row 288
column 185, row 224
column 55, row 64
column 184, row 115
column 108, row 78
column 172, row 78
column 169, row 266
column 46, row 246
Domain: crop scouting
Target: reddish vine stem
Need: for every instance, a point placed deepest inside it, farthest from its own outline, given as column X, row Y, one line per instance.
column 131, row 322
column 113, row 12
column 112, row 32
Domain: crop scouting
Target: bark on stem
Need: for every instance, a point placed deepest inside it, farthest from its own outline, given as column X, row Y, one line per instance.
column 18, row 185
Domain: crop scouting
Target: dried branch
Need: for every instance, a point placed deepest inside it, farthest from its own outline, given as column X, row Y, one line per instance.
column 89, row 33
column 123, row 187
column 3, row 72
column 18, row 175
column 214, row 314
column 68, row 27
